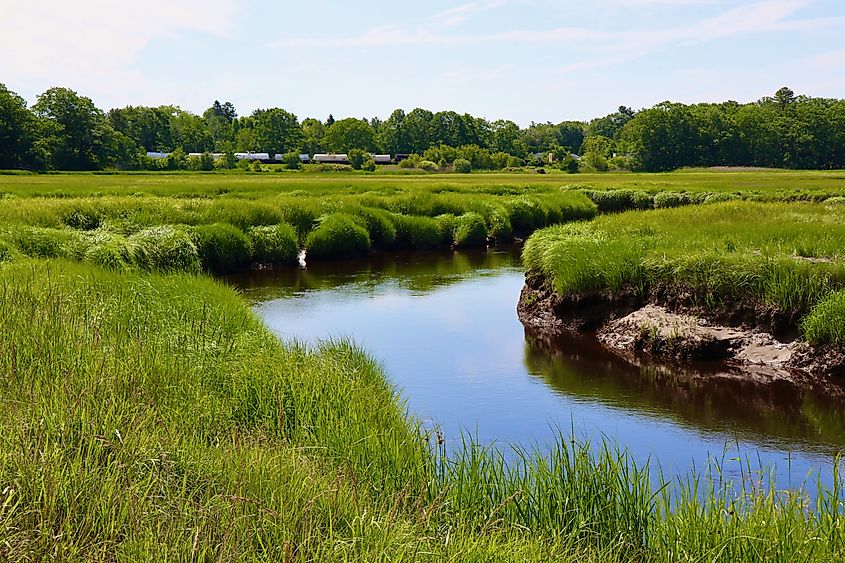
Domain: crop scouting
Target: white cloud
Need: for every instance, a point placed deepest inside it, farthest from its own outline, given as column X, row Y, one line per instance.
column 758, row 17
column 95, row 42
column 458, row 15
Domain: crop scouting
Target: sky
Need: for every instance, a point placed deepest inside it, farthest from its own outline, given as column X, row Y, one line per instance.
column 524, row 60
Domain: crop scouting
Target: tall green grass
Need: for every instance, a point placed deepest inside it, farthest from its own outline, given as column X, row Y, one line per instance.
column 786, row 256
column 150, row 417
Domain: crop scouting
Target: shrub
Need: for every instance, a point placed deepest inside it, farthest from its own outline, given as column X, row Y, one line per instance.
column 256, row 166
column 274, row 244
column 337, row 235
column 427, row 165
column 369, row 165
column 222, row 247
column 356, row 158
column 164, row 248
column 471, row 230
column 836, row 200
column 463, row 166
column 291, row 161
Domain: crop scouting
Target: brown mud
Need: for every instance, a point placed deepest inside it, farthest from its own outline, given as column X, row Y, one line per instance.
column 757, row 341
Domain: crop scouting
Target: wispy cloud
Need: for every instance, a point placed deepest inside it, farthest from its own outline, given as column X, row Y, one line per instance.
column 95, row 42
column 759, row 17
column 458, row 15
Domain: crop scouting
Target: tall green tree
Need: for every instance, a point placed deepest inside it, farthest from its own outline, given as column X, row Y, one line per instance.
column 275, row 131
column 313, row 131
column 350, row 133
column 77, row 134
column 19, row 134
column 148, row 127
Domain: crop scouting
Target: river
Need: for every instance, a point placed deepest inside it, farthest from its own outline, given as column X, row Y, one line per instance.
column 444, row 327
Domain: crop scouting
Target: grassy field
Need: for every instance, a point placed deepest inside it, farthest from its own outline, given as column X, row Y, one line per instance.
column 147, row 414
column 152, row 417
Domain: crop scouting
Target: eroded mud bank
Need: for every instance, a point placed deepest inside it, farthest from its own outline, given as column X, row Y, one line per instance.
column 670, row 324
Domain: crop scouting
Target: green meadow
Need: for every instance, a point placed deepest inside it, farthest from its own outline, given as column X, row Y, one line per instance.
column 147, row 414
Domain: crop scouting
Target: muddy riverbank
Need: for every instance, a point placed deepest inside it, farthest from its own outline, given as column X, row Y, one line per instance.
column 670, row 324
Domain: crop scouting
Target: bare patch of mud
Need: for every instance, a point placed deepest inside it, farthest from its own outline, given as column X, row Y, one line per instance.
column 755, row 341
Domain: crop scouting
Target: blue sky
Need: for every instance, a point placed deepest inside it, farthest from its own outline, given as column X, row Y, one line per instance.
column 525, row 60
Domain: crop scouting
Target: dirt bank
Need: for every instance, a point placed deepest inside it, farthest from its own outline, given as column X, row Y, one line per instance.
column 669, row 324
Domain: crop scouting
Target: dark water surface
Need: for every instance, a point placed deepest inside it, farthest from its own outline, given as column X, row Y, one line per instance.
column 444, row 327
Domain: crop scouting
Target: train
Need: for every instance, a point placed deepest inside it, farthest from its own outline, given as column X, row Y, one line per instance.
column 266, row 158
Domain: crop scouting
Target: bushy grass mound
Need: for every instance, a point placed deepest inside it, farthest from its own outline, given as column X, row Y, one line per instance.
column 826, row 323
column 421, row 233
column 783, row 256
column 42, row 242
column 470, row 230
column 379, row 225
column 107, row 251
column 338, row 235
column 274, row 244
column 164, row 249
column 610, row 201
column 222, row 247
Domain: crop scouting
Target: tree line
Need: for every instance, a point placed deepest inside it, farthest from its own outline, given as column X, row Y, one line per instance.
column 66, row 131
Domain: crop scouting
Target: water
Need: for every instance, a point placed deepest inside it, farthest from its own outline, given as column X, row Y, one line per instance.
column 444, row 327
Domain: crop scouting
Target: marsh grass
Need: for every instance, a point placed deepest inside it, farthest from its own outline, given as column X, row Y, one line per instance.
column 786, row 256
column 274, row 244
column 150, row 417
column 338, row 235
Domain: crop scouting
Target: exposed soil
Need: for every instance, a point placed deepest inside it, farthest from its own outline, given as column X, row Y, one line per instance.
column 671, row 324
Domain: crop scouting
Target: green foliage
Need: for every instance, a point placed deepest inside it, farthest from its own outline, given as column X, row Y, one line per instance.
column 463, row 166
column 670, row 199
column 427, row 165
column 337, row 235
column 418, row 232
column 609, row 201
column 223, row 248
column 291, row 161
column 379, row 225
column 348, row 134
column 471, row 230
column 499, row 224
column 826, row 323
column 164, row 248
column 274, row 244
column 109, row 251
column 356, row 158
column 785, row 257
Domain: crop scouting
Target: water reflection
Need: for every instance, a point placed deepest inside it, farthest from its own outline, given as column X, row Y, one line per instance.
column 710, row 399
column 418, row 272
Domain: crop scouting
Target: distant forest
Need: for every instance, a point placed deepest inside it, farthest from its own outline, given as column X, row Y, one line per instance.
column 66, row 131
